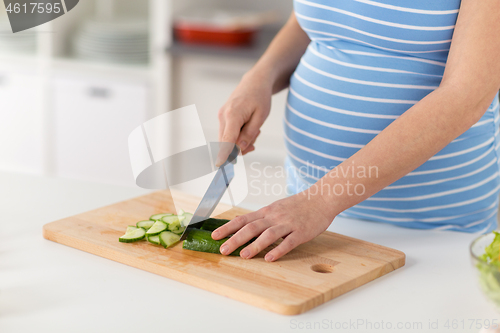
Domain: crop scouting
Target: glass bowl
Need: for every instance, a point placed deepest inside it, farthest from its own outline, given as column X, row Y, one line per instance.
column 488, row 274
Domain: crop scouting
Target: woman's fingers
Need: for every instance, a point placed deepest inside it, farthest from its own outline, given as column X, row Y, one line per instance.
column 268, row 237
column 231, row 132
column 250, row 146
column 234, row 121
column 282, row 219
column 288, row 244
column 250, row 131
column 222, row 123
column 236, row 224
column 249, row 149
column 246, row 233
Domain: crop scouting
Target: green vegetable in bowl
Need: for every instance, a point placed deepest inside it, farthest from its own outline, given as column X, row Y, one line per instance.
column 492, row 252
column 488, row 267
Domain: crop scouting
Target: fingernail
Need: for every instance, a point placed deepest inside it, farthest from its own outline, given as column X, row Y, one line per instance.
column 215, row 234
column 245, row 253
column 223, row 249
column 269, row 257
column 243, row 145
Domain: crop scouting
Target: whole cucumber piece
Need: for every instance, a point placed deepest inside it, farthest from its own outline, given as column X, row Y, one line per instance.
column 212, row 224
column 202, row 241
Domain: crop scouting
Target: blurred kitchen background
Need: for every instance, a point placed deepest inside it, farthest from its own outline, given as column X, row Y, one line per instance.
column 73, row 89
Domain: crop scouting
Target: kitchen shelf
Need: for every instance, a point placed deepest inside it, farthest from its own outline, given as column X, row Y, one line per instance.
column 254, row 51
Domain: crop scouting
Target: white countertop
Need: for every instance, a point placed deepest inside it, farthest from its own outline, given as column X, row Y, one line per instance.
column 48, row 287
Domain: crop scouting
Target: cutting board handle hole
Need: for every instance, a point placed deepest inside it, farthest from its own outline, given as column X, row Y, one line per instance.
column 322, row 268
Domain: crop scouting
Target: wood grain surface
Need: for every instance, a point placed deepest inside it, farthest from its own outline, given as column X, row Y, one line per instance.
column 312, row 274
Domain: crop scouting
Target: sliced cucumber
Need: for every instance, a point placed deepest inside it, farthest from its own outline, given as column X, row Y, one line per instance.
column 145, row 224
column 162, row 229
column 179, row 231
column 154, row 239
column 130, row 228
column 133, row 234
column 168, row 238
column 172, row 219
column 174, row 225
column 181, row 212
column 187, row 219
column 158, row 227
column 158, row 217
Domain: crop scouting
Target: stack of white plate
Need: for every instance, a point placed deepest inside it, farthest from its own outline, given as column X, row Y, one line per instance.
column 20, row 42
column 123, row 41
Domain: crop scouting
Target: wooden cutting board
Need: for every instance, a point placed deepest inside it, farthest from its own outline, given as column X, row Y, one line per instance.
column 312, row 274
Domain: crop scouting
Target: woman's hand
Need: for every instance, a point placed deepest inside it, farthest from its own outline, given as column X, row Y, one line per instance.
column 296, row 219
column 245, row 111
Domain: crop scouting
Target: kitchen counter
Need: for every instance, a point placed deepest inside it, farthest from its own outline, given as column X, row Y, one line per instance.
column 48, row 287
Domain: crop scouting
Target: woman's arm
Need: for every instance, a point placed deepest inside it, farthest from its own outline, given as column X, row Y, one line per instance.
column 469, row 84
column 248, row 106
column 282, row 56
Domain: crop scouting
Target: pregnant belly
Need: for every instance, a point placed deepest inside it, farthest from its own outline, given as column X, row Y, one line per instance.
column 339, row 100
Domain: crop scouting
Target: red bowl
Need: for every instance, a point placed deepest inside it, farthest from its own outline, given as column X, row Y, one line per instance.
column 193, row 34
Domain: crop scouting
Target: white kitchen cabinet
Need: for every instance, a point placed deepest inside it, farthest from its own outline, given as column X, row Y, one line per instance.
column 21, row 123
column 93, row 119
column 208, row 82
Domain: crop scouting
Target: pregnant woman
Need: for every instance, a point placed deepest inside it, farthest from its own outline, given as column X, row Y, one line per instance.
column 392, row 116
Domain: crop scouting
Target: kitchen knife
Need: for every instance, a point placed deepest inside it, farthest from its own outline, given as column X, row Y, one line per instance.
column 214, row 193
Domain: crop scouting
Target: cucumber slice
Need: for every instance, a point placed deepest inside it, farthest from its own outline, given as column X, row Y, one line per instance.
column 201, row 240
column 187, row 219
column 145, row 224
column 181, row 212
column 133, row 234
column 154, row 239
column 158, row 217
column 130, row 228
column 173, row 219
column 174, row 225
column 158, row 227
column 179, row 231
column 168, row 238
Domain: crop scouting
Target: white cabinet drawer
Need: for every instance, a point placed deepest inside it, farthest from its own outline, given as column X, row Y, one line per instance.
column 92, row 122
column 21, row 123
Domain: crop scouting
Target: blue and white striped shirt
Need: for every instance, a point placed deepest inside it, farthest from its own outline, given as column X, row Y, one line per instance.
column 367, row 63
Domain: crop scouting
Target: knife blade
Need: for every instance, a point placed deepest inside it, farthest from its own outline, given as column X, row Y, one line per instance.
column 214, row 193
